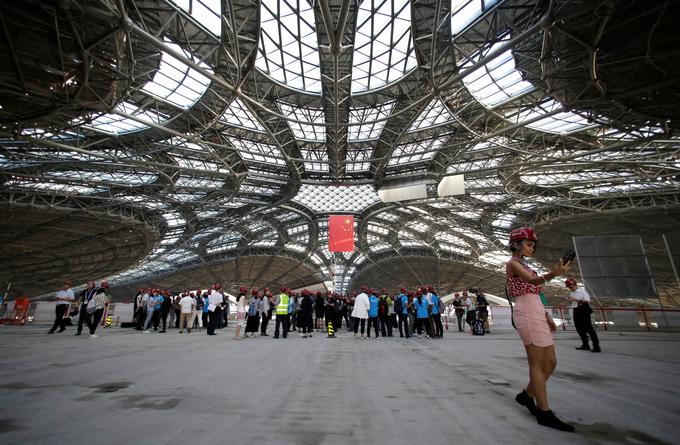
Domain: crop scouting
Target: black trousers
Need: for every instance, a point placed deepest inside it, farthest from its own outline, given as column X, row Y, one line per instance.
column 282, row 321
column 83, row 318
column 459, row 317
column 385, row 326
column 584, row 326
column 94, row 319
column 359, row 321
column 372, row 321
column 59, row 312
column 420, row 323
column 306, row 322
column 141, row 316
column 164, row 317
column 264, row 323
column 213, row 317
column 403, row 320
column 438, row 327
column 156, row 319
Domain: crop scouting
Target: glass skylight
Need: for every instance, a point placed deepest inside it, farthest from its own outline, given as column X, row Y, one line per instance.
column 176, row 82
column 316, row 160
column 238, row 115
column 357, row 155
column 205, row 12
column 383, row 47
column 117, row 124
column 360, row 131
column 258, row 151
column 433, row 115
column 324, row 199
column 498, row 80
column 289, row 50
column 464, row 12
column 561, row 123
column 312, row 115
column 415, row 151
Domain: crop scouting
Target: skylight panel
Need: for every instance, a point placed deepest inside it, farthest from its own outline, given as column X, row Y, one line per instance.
column 315, row 160
column 205, row 12
column 258, row 151
column 302, row 131
column 324, row 199
column 362, row 122
column 176, row 82
column 118, row 124
column 383, row 47
column 54, row 187
column 433, row 115
column 288, row 50
column 237, row 115
column 415, row 152
column 497, row 81
column 464, row 12
column 354, row 158
column 564, row 122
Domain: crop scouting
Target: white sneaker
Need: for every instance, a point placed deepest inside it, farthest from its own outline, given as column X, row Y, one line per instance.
column 146, row 332
column 93, row 336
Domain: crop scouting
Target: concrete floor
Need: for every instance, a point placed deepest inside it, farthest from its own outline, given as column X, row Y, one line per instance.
column 126, row 387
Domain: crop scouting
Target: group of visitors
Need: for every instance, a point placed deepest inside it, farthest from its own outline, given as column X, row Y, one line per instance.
column 410, row 313
column 89, row 307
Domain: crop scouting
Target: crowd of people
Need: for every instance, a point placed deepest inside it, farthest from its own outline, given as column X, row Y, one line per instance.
column 408, row 312
column 382, row 313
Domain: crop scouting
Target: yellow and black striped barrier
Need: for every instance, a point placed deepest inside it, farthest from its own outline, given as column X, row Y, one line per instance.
column 107, row 323
column 331, row 332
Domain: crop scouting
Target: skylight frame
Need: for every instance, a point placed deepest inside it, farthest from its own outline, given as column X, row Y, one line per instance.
column 375, row 63
column 291, row 56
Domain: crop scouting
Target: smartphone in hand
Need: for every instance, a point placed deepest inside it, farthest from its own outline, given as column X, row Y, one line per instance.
column 568, row 257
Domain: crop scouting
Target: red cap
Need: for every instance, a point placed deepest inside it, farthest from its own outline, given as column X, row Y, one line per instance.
column 243, row 289
column 254, row 291
column 570, row 282
column 522, row 234
column 403, row 289
column 216, row 286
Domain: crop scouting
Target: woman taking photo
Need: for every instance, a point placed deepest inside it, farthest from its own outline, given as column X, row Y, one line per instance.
column 534, row 325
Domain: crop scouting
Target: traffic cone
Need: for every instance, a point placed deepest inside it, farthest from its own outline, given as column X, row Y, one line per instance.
column 331, row 332
column 107, row 324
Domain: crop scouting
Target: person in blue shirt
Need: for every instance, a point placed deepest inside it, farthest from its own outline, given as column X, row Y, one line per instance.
column 373, row 313
column 436, row 315
column 204, row 315
column 421, row 312
column 402, row 313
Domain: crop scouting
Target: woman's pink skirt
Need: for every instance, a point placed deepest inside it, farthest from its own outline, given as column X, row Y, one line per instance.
column 529, row 316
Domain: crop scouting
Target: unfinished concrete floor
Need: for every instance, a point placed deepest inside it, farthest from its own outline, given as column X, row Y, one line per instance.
column 127, row 387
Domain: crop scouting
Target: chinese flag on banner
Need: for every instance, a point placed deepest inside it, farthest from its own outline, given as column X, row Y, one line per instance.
column 341, row 233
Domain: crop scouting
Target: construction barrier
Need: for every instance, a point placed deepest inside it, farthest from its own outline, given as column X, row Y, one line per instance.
column 331, row 332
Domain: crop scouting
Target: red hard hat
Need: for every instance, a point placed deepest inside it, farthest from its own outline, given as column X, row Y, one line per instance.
column 419, row 292
column 254, row 291
column 403, row 289
column 265, row 290
column 384, row 291
column 570, row 282
column 430, row 288
column 282, row 289
column 305, row 292
column 242, row 289
column 216, row 286
column 522, row 234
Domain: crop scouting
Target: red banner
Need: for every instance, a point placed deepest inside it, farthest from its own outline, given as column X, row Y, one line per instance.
column 341, row 233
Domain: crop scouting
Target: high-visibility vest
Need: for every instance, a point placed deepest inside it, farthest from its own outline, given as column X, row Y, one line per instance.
column 282, row 308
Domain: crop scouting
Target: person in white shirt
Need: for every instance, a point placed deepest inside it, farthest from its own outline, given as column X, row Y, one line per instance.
column 580, row 302
column 187, row 305
column 360, row 311
column 64, row 299
column 215, row 300
column 471, row 314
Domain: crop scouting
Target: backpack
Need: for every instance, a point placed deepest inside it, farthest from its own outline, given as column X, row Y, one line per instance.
column 382, row 306
column 199, row 303
column 477, row 327
column 397, row 306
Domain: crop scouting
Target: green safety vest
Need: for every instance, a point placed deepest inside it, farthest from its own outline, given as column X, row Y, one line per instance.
column 282, row 308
